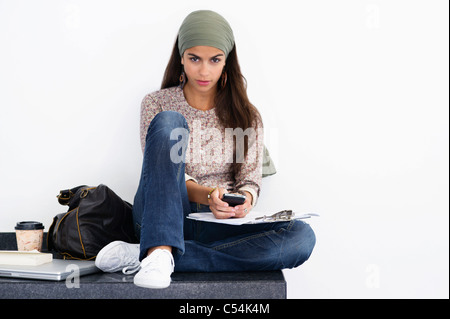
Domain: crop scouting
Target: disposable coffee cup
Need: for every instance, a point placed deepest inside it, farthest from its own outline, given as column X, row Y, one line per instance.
column 29, row 235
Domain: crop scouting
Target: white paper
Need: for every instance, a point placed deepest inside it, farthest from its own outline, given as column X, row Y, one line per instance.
column 250, row 218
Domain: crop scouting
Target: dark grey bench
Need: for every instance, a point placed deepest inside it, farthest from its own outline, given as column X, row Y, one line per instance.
column 230, row 285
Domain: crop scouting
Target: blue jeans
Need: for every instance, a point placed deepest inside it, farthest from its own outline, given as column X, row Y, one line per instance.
column 161, row 205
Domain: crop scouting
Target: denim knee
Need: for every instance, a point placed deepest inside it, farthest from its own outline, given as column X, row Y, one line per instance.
column 299, row 244
column 168, row 120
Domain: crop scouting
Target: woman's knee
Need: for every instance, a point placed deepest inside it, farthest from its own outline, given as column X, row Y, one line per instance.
column 170, row 127
column 299, row 245
column 168, row 120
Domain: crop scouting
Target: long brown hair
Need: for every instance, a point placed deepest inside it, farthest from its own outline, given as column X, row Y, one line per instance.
column 232, row 105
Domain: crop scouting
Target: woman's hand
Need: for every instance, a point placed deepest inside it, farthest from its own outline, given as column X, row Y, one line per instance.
column 244, row 209
column 222, row 210
column 219, row 208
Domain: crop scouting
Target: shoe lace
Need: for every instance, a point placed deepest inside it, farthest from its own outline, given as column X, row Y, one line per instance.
column 129, row 270
column 134, row 266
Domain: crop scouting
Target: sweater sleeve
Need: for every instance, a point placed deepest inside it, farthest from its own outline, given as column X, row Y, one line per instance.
column 250, row 176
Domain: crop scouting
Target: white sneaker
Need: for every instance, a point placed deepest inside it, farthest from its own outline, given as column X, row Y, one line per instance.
column 119, row 255
column 155, row 270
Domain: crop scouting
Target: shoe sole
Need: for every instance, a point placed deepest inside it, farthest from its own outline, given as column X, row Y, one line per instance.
column 153, row 284
column 104, row 250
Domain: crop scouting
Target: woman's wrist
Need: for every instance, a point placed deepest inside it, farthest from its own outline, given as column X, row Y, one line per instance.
column 198, row 193
column 210, row 192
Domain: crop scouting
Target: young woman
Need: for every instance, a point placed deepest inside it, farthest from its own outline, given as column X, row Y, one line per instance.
column 202, row 138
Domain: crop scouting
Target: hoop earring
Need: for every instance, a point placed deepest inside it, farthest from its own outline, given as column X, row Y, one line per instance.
column 224, row 79
column 182, row 79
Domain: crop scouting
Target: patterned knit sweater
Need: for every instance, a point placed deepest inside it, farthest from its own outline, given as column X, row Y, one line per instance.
column 209, row 154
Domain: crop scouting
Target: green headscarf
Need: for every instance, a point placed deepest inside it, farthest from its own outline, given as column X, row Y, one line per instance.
column 206, row 28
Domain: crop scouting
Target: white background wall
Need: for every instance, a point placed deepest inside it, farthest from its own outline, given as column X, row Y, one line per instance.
column 354, row 96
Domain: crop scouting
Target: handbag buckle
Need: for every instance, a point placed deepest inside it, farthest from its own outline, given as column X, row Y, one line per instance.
column 84, row 193
column 64, row 197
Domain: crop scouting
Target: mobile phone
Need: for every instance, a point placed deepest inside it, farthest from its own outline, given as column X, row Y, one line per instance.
column 233, row 199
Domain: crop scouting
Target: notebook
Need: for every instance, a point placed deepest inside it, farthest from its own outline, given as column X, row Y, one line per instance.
column 57, row 269
column 31, row 258
column 251, row 218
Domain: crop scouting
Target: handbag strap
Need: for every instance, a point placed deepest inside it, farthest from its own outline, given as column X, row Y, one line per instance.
column 66, row 195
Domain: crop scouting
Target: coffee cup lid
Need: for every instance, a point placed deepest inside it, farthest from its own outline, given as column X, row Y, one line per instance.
column 29, row 225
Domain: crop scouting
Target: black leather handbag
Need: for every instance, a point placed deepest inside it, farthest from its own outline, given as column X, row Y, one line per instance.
column 96, row 217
